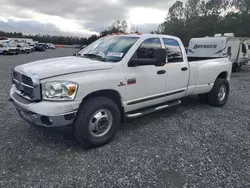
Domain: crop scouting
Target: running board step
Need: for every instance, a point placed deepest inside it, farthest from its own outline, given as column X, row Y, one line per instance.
column 149, row 110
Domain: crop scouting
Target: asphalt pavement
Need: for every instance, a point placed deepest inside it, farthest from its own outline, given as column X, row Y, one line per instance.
column 192, row 145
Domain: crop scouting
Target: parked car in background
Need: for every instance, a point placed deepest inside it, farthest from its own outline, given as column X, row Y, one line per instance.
column 21, row 48
column 39, row 48
column 51, row 46
column 14, row 47
column 3, row 38
column 29, row 48
column 44, row 45
column 24, row 48
column 77, row 46
column 6, row 49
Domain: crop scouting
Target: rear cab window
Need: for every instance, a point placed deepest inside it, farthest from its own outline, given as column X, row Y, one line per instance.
column 174, row 53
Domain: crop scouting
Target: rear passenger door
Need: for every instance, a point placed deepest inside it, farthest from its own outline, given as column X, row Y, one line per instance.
column 177, row 70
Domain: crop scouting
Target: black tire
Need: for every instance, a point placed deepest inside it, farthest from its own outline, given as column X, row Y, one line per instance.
column 87, row 109
column 5, row 53
column 213, row 98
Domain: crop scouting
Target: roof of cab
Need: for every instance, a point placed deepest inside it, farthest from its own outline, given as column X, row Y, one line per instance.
column 144, row 36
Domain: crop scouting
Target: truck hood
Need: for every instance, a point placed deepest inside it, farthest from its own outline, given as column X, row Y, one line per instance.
column 61, row 66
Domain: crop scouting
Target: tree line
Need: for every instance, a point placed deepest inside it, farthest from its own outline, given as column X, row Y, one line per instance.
column 199, row 18
column 65, row 40
column 195, row 18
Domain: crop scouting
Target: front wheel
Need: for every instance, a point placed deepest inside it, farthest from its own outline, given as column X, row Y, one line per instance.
column 97, row 122
column 219, row 94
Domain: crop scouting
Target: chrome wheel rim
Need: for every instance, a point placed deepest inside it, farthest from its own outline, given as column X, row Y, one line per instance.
column 100, row 123
column 222, row 93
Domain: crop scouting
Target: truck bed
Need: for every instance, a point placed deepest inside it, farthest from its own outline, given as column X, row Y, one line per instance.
column 190, row 59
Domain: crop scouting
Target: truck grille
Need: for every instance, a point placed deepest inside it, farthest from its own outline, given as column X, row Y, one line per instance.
column 27, row 80
column 25, row 87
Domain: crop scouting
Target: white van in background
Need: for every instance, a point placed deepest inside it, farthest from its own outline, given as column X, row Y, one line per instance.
column 218, row 47
column 6, row 48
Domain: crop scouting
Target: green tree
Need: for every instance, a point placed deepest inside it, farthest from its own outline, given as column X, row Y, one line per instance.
column 117, row 26
column 199, row 18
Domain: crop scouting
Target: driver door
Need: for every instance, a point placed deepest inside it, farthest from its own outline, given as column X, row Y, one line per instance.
column 146, row 85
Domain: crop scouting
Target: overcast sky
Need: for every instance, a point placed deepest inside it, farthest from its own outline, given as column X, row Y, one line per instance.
column 79, row 17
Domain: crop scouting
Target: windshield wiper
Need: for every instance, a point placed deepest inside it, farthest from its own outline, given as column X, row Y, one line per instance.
column 96, row 56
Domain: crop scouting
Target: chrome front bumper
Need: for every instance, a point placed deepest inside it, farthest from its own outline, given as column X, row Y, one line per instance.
column 45, row 113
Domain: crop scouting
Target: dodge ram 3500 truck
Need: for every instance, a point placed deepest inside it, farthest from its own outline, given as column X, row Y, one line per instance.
column 115, row 77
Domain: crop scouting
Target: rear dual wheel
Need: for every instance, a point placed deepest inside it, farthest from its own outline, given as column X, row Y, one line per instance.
column 218, row 95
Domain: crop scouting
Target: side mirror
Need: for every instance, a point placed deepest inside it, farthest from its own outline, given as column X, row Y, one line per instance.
column 158, row 60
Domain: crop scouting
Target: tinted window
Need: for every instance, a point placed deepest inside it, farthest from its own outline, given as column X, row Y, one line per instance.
column 174, row 53
column 147, row 48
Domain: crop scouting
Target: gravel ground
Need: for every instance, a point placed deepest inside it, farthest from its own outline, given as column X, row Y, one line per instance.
column 192, row 145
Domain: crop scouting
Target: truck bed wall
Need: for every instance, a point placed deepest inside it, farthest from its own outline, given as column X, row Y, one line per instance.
column 203, row 74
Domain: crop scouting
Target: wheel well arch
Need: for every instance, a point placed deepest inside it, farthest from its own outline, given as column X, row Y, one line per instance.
column 109, row 93
column 223, row 75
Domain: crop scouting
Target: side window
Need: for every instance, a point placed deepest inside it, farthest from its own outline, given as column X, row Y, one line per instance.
column 1, row 45
column 173, row 48
column 147, row 48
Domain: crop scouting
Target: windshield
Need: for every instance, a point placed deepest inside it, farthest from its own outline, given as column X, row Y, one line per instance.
column 111, row 48
column 11, row 45
column 5, row 45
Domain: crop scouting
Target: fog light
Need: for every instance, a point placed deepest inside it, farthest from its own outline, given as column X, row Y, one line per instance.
column 46, row 120
column 69, row 116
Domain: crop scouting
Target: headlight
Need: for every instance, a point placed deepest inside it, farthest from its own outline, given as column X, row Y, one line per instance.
column 59, row 90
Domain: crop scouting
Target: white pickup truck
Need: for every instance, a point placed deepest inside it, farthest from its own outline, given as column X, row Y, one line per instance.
column 113, row 78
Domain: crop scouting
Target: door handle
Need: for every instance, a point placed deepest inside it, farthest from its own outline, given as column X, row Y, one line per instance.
column 184, row 68
column 161, row 72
